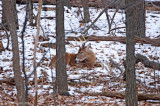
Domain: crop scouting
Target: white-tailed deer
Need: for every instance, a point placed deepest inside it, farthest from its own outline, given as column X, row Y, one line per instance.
column 70, row 60
column 84, row 58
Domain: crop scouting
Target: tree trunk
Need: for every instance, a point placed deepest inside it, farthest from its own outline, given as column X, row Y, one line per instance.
column 30, row 11
column 4, row 21
column 11, row 22
column 4, row 13
column 131, row 92
column 86, row 11
column 67, row 3
column 140, row 16
column 61, row 75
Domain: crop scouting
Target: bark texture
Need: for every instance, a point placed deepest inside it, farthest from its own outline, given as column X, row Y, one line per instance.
column 5, row 13
column 140, row 18
column 131, row 29
column 61, row 75
column 86, row 11
column 30, row 10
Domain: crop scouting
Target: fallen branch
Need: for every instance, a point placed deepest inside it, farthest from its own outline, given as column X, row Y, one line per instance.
column 147, row 62
column 121, row 95
column 153, row 42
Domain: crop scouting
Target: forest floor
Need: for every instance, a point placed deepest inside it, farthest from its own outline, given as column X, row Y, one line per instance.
column 82, row 81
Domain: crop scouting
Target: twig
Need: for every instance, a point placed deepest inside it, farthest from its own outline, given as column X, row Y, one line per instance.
column 35, row 48
column 99, row 16
column 42, row 30
column 117, row 28
column 113, row 18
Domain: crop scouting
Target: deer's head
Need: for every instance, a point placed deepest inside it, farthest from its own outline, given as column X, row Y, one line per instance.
column 83, row 52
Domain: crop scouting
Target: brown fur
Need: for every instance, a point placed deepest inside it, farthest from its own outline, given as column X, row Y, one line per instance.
column 85, row 57
column 70, row 60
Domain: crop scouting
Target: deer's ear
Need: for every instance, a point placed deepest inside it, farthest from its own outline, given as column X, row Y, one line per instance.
column 88, row 46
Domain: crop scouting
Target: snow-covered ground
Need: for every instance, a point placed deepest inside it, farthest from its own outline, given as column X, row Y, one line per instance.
column 97, row 79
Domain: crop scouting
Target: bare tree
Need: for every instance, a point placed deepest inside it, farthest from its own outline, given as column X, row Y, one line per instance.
column 11, row 22
column 131, row 28
column 86, row 11
column 61, row 75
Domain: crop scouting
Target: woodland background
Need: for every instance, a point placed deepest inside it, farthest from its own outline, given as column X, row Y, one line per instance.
column 104, row 84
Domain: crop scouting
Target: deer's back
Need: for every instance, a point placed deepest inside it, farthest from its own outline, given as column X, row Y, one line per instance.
column 70, row 60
